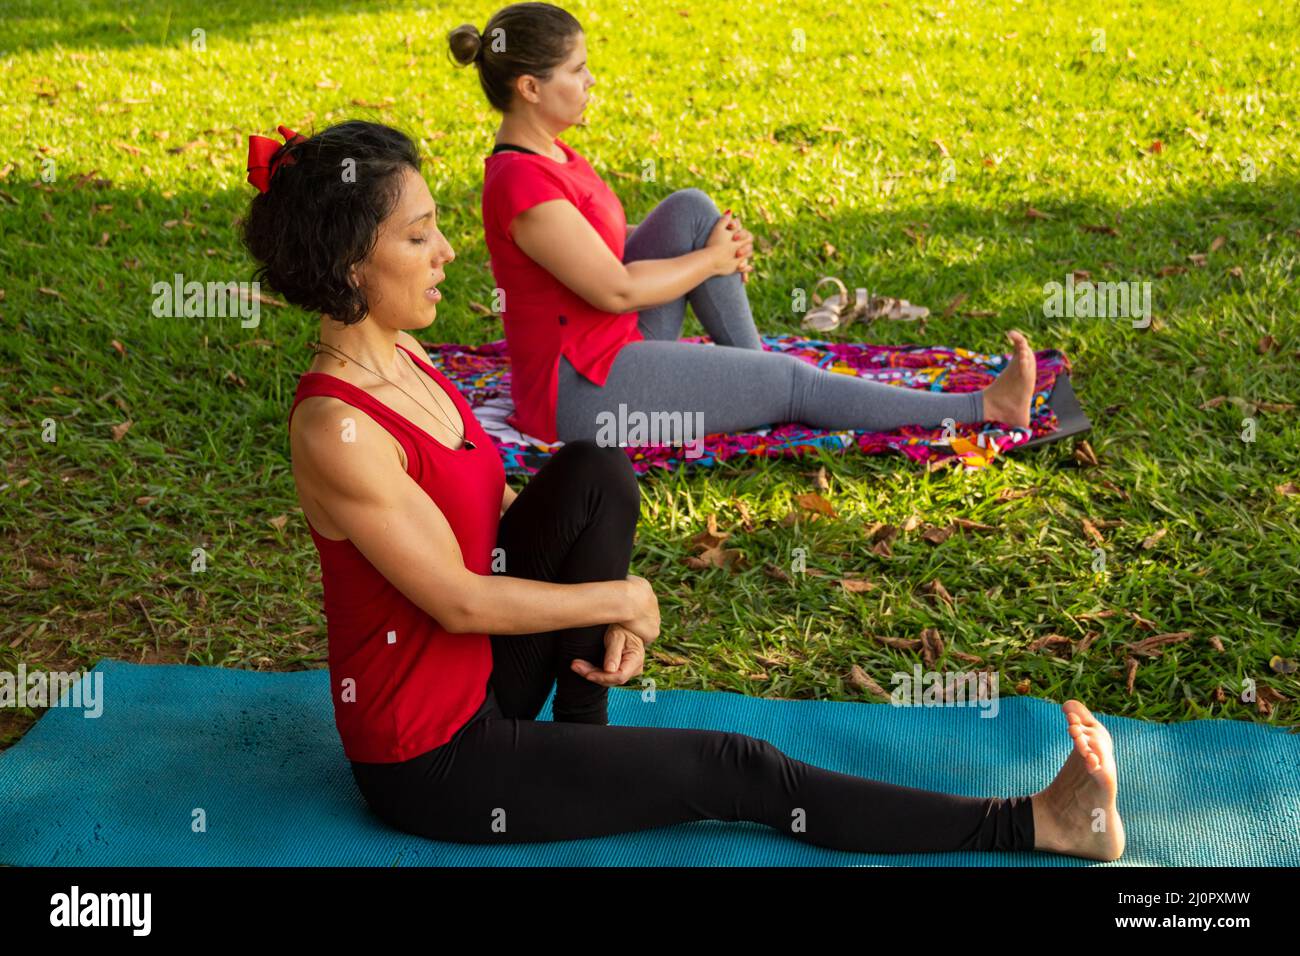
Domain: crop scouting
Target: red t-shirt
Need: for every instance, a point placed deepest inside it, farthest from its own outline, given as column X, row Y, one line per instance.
column 401, row 684
column 543, row 318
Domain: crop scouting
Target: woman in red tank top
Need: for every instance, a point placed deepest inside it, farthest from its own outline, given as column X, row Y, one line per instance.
column 593, row 308
column 455, row 607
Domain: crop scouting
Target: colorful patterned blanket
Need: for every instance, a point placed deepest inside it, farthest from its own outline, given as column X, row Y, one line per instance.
column 482, row 373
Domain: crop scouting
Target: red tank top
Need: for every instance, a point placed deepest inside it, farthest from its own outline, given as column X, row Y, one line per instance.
column 401, row 684
column 544, row 319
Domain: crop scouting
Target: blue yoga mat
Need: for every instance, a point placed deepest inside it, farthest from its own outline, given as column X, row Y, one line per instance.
column 259, row 754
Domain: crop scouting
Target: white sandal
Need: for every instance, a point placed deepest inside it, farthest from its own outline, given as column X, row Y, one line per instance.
column 835, row 311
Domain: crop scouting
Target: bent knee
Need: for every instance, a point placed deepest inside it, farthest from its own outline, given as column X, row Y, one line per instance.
column 697, row 200
column 606, row 467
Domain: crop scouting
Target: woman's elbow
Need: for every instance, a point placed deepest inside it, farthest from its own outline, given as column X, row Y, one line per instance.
column 616, row 293
column 463, row 613
column 618, row 300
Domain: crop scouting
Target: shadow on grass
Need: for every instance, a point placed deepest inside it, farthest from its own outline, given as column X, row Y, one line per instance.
column 1005, row 257
column 103, row 24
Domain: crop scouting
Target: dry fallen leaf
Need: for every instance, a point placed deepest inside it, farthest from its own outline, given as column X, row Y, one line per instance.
column 856, row 585
column 278, row 522
column 812, row 501
column 1287, row 488
column 669, row 660
column 935, row 589
column 1132, row 667
column 776, row 572
column 1141, row 622
column 820, row 481
column 1084, row 454
column 1011, row 494
column 937, row 535
column 711, row 537
column 1090, row 529
column 965, row 524
column 1152, row 540
column 1154, row 646
column 729, row 558
column 120, row 430
column 882, row 532
column 1217, row 243
column 1052, row 641
column 859, row 679
column 931, row 646
column 1116, row 489
column 901, row 643
column 1216, row 642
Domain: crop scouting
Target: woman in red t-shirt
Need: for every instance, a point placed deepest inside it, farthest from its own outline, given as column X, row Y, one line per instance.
column 593, row 308
column 455, row 606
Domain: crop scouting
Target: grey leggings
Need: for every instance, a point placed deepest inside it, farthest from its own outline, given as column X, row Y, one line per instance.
column 734, row 385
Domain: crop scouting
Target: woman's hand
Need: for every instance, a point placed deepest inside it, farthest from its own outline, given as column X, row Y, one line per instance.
column 624, row 658
column 740, row 234
column 644, row 620
column 731, row 246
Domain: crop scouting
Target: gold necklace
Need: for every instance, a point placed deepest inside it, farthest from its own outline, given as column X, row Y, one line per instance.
column 467, row 446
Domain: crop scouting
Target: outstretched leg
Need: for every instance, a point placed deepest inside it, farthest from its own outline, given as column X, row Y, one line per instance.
column 731, row 390
column 505, row 780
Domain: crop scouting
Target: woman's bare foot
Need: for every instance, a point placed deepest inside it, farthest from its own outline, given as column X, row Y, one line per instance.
column 1076, row 813
column 1008, row 398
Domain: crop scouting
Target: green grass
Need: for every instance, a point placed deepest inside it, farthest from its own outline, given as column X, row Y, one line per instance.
column 1030, row 116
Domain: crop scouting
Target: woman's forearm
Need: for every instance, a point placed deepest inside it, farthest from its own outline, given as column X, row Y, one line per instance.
column 500, row 604
column 652, row 282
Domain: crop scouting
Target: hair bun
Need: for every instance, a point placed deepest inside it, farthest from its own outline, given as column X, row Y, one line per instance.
column 466, row 44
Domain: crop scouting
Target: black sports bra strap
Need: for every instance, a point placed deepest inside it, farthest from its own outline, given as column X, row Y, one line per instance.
column 501, row 147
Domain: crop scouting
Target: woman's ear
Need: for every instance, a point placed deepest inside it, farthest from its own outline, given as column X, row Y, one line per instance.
column 528, row 88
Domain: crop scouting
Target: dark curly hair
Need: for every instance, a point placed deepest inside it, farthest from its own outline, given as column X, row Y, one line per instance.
column 320, row 215
column 523, row 39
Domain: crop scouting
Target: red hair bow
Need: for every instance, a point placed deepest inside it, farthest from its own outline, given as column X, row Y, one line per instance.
column 260, row 151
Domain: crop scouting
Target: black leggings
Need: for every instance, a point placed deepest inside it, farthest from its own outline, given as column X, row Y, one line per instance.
column 508, row 778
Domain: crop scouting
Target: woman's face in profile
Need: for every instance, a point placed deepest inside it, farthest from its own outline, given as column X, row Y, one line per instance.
column 400, row 275
column 565, row 94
